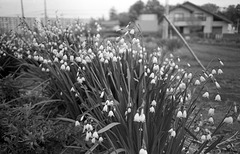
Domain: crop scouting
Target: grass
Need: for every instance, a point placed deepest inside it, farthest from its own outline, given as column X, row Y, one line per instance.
column 230, row 79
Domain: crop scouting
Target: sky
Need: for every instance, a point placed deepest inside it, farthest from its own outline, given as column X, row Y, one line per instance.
column 84, row 8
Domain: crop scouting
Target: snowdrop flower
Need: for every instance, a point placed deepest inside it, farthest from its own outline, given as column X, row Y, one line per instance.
column 110, row 114
column 62, row 67
column 154, row 60
column 217, row 97
column 77, row 123
column 67, row 68
column 197, row 129
column 152, row 75
column 220, row 71
column 131, row 31
column 55, row 59
column 189, row 76
column 235, row 108
column 173, row 133
column 209, row 137
column 43, row 69
column 95, row 134
column 182, row 86
column 71, row 58
column 114, row 59
column 202, row 79
column 217, row 84
column 214, row 71
column 153, row 81
column 178, row 59
column 78, row 59
column 143, row 151
column 228, row 120
column 148, row 70
column 203, row 137
column 221, row 62
column 88, row 135
column 129, row 110
column 155, row 67
column 100, row 139
column 211, row 111
column 154, row 103
column 142, row 117
column 152, row 109
column 179, row 114
column 136, row 117
column 105, row 108
column 197, row 82
column 102, row 94
column 238, row 118
column 93, row 140
column 206, row 95
column 65, row 57
column 211, row 120
column 184, row 115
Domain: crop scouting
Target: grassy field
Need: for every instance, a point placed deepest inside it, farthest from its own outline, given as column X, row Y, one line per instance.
column 229, row 80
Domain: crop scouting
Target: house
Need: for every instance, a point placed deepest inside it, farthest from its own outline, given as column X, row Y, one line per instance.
column 148, row 23
column 190, row 18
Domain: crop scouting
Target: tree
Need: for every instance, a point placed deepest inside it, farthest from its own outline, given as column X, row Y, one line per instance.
column 124, row 19
column 210, row 7
column 153, row 6
column 113, row 14
column 232, row 13
column 135, row 10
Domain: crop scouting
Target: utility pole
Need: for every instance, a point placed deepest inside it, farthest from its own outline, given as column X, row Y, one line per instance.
column 165, row 23
column 238, row 25
column 45, row 11
column 22, row 8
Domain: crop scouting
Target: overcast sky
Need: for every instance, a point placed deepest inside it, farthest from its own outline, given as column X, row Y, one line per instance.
column 84, row 8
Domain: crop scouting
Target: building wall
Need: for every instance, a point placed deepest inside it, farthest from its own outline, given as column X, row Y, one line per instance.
column 185, row 12
column 224, row 26
column 148, row 23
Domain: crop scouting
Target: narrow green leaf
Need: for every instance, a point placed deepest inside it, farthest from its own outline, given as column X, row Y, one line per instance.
column 66, row 119
column 118, row 151
column 104, row 129
column 213, row 145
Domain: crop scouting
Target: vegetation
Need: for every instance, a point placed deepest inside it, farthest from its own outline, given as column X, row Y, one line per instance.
column 91, row 95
